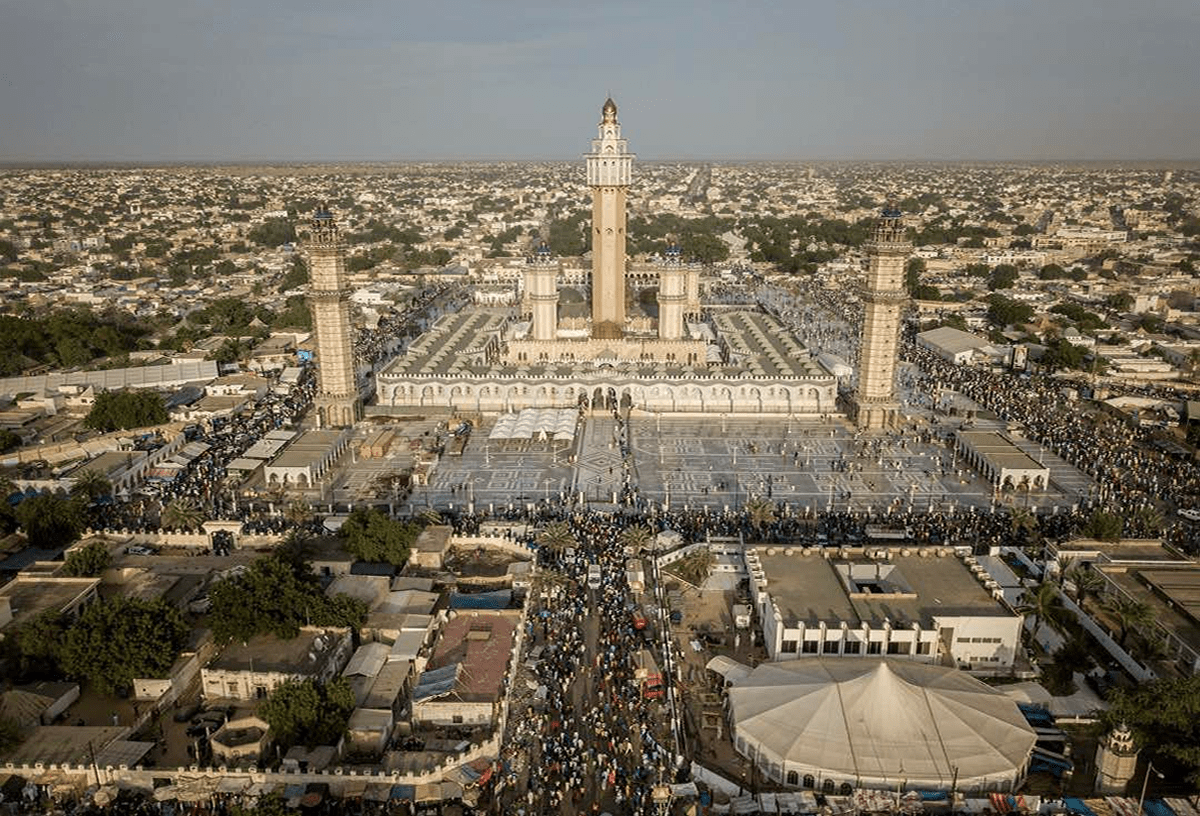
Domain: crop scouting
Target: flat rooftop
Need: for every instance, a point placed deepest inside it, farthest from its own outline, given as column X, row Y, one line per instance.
column 29, row 597
column 311, row 447
column 267, row 653
column 455, row 347
column 808, row 589
column 999, row 451
column 1181, row 587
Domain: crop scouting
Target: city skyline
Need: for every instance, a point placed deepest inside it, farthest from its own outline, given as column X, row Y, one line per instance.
column 134, row 81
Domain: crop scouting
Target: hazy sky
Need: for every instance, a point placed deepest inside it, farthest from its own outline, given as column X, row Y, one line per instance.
column 144, row 80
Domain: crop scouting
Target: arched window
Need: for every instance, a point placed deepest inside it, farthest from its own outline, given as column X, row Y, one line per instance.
column 828, row 786
column 809, row 781
column 846, row 789
column 793, row 778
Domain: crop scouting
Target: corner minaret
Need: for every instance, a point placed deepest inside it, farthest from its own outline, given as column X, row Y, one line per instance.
column 329, row 297
column 609, row 169
column 875, row 405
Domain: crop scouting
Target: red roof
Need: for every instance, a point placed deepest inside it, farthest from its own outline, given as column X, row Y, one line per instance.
column 482, row 644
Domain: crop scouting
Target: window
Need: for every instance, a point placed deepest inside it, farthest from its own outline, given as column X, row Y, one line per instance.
column 923, row 647
column 260, row 692
column 809, row 782
column 902, row 647
column 457, row 719
column 846, row 789
column 810, row 647
column 793, row 778
column 853, row 647
column 874, row 647
column 789, row 646
column 831, row 647
column 828, row 786
column 232, row 686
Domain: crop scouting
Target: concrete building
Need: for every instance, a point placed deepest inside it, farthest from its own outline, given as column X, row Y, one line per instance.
column 875, row 405
column 463, row 683
column 929, row 604
column 307, row 459
column 337, row 401
column 956, row 346
column 1000, row 461
column 252, row 670
column 609, row 172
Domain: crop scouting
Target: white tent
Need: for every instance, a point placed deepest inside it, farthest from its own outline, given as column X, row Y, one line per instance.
column 876, row 723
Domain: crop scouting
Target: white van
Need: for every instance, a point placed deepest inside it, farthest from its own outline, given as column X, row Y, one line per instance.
column 593, row 579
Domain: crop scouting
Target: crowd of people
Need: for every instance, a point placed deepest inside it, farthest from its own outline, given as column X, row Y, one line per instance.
column 591, row 740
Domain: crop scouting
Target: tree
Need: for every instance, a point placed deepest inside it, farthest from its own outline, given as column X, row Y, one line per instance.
column 89, row 560
column 760, row 512
column 49, row 521
column 636, row 538
column 299, row 513
column 1164, row 715
column 35, row 648
column 556, row 537
column 1043, row 604
column 1128, row 614
column 11, row 735
column 1003, row 277
column 305, row 712
column 277, row 595
column 1088, row 582
column 913, row 270
column 182, row 514
column 120, row 410
column 1062, row 353
column 1004, row 311
column 273, row 232
column 115, row 641
column 370, row 535
column 90, row 485
column 1104, row 526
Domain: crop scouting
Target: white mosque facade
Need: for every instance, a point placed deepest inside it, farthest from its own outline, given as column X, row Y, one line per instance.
column 685, row 359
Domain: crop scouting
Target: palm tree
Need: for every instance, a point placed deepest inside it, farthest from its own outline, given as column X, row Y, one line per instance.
column 556, row 537
column 298, row 513
column 182, row 514
column 1042, row 604
column 1088, row 582
column 430, row 516
column 1024, row 524
column 1149, row 519
column 1128, row 614
column 91, row 485
column 636, row 538
column 695, row 566
column 761, row 512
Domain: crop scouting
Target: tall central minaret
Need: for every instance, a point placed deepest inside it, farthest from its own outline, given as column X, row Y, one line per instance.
column 329, row 296
column 609, row 169
column 883, row 298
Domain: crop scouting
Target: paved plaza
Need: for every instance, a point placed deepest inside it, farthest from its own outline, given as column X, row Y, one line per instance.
column 720, row 462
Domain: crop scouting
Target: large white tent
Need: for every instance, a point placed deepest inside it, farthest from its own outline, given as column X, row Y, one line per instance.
column 878, row 723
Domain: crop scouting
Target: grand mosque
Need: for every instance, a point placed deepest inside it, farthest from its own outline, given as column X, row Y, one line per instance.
column 688, row 358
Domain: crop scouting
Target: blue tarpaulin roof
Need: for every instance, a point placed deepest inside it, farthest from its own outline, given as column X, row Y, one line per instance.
column 1157, row 807
column 436, row 682
column 408, row 792
column 498, row 599
column 1076, row 805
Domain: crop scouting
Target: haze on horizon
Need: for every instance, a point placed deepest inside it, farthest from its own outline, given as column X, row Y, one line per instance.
column 269, row 80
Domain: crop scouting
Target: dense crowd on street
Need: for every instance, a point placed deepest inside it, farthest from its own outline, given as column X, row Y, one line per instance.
column 591, row 741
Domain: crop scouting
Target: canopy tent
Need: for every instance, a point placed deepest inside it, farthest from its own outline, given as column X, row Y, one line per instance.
column 875, row 722
column 537, row 423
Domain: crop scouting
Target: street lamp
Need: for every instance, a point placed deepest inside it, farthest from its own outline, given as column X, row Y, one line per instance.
column 1146, row 781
